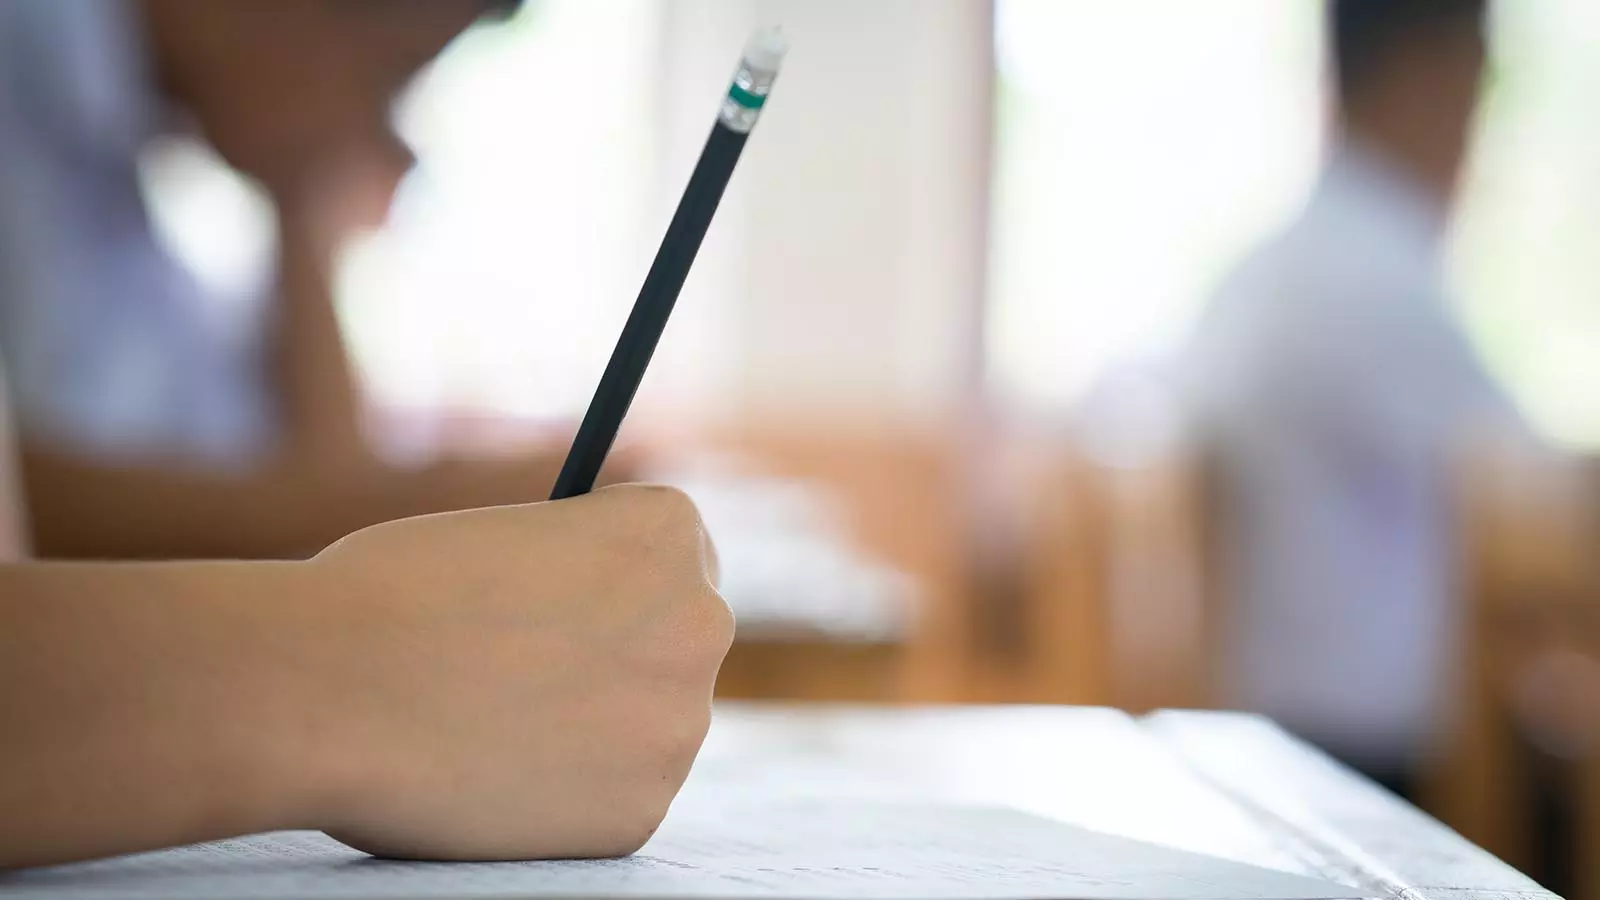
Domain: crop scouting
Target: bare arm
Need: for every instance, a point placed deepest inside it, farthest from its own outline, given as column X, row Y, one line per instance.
column 517, row 682
column 318, row 395
column 141, row 705
column 81, row 508
column 84, row 509
column 319, row 484
column 322, row 483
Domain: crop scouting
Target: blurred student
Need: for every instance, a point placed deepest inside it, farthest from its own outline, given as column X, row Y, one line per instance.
column 149, row 428
column 1334, row 386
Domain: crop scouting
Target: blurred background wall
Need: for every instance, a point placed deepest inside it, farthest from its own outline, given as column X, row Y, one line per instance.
column 1096, row 137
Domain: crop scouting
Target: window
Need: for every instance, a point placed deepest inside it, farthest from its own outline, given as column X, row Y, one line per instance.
column 1525, row 256
column 841, row 274
column 1142, row 148
column 514, row 251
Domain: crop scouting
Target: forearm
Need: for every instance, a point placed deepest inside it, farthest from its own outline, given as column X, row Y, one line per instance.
column 315, row 381
column 148, row 705
column 81, row 508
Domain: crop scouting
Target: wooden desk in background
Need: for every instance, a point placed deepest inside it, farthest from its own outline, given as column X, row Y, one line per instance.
column 1226, row 785
column 1525, row 696
column 813, row 668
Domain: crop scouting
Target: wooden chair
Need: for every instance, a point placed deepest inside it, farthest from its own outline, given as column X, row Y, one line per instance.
column 1531, row 567
column 1112, row 607
column 1011, row 556
column 1038, row 621
column 896, row 489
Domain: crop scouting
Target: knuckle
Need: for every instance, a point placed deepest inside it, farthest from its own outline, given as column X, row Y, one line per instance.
column 711, row 563
column 675, row 739
column 689, row 733
column 657, row 522
column 719, row 622
column 704, row 627
column 673, row 507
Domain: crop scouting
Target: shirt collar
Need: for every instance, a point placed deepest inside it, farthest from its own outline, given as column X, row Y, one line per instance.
column 1360, row 181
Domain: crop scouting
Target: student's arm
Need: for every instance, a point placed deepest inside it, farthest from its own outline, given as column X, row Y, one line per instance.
column 322, row 481
column 139, row 706
column 82, row 508
column 516, row 682
column 317, row 394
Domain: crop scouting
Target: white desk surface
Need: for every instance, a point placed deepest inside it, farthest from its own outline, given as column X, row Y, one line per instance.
column 1222, row 784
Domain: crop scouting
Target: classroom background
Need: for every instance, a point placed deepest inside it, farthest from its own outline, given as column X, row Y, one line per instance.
column 915, row 376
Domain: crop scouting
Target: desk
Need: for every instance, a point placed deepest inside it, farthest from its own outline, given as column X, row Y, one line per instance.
column 1227, row 785
column 811, row 667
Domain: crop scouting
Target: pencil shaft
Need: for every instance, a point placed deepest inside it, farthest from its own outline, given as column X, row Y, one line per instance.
column 642, row 332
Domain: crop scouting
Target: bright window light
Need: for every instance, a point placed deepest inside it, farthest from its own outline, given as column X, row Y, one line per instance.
column 1142, row 148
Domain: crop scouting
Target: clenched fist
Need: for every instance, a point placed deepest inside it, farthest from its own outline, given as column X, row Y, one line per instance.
column 518, row 682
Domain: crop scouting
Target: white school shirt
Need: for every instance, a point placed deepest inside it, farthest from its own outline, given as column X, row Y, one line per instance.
column 110, row 346
column 1332, row 385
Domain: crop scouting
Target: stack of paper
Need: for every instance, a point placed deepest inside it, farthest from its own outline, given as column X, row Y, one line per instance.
column 790, row 850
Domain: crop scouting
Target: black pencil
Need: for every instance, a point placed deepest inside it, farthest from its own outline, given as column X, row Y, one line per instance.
column 737, row 115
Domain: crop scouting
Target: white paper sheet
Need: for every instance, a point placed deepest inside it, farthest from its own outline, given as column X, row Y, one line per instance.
column 793, row 851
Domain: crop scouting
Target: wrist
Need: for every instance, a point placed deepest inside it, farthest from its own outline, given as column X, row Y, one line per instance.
column 164, row 704
column 295, row 760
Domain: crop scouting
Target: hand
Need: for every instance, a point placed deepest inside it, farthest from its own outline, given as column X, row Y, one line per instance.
column 517, row 682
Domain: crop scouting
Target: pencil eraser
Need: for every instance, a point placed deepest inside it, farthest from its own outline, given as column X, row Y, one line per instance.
column 766, row 48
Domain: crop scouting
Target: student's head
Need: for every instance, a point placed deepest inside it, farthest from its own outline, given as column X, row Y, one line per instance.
column 1407, row 74
column 287, row 90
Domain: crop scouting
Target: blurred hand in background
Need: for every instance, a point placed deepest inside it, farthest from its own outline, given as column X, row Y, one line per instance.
column 148, row 429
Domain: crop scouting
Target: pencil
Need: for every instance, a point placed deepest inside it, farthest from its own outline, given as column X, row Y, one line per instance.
column 740, row 108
